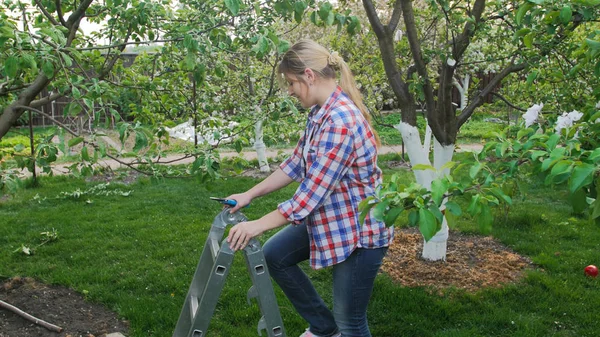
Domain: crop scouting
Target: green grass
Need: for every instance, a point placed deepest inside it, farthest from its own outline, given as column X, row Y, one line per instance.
column 137, row 256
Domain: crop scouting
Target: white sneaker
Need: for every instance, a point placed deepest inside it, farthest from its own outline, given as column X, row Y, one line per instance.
column 307, row 333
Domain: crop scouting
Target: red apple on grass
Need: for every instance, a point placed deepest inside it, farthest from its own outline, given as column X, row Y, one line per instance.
column 591, row 270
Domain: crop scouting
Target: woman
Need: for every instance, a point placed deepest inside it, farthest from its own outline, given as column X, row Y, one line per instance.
column 336, row 164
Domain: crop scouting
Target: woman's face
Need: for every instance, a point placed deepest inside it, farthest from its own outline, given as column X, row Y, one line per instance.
column 299, row 88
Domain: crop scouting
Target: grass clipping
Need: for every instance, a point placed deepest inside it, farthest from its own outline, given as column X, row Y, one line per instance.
column 472, row 263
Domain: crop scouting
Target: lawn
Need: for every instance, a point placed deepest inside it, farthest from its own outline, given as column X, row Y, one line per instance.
column 136, row 254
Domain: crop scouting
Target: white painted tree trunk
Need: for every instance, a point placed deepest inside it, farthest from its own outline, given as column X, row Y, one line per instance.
column 436, row 248
column 463, row 89
column 259, row 146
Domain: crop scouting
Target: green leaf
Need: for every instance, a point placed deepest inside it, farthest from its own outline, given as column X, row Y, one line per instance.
column 76, row 93
column 535, row 154
column 392, row 215
column 438, row 189
column 453, row 208
column 85, row 156
column 233, row 6
column 578, row 201
column 451, row 219
column 522, row 11
column 595, row 155
column 427, row 224
column 485, row 219
column 528, row 40
column 552, row 141
column 75, row 141
column 283, row 46
column 48, row 69
column 561, row 167
column 325, row 10
column 11, row 66
column 365, row 210
column 72, row 109
column 474, row 170
column 566, row 14
column 474, row 206
column 190, row 61
column 439, row 216
column 530, row 78
column 499, row 193
column 594, row 45
column 413, row 218
column 141, row 141
column 353, row 25
column 583, row 175
column 19, row 147
column 380, row 209
column 299, row 8
column 423, row 167
column 330, row 19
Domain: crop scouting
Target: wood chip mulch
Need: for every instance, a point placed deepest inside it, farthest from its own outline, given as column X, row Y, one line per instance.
column 472, row 263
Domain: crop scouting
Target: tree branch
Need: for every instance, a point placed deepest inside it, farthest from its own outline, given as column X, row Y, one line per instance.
column 29, row 317
column 373, row 18
column 507, row 102
column 415, row 48
column 46, row 14
column 396, row 15
column 58, row 4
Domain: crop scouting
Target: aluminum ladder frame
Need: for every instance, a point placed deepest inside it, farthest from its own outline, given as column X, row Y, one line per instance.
column 209, row 279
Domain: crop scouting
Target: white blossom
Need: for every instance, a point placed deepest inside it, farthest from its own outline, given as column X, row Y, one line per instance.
column 566, row 120
column 575, row 115
column 451, row 62
column 598, row 105
column 532, row 114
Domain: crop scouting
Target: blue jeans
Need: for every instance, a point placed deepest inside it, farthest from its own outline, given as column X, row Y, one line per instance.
column 352, row 283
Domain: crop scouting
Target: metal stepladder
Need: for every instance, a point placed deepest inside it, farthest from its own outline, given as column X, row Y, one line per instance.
column 209, row 279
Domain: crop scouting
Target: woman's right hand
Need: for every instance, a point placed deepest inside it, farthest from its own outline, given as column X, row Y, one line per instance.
column 242, row 199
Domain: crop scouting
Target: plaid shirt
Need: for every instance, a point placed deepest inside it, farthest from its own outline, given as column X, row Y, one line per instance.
column 338, row 171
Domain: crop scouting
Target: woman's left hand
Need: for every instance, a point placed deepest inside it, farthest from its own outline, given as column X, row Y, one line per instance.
column 240, row 234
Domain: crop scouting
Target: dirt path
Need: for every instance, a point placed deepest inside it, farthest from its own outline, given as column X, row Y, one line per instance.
column 248, row 155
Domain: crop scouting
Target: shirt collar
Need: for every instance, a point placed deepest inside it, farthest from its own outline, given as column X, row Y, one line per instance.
column 318, row 112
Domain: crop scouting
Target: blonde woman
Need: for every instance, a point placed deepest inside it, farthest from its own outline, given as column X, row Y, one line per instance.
column 335, row 163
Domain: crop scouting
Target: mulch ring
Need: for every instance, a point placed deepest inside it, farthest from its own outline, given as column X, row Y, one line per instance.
column 472, row 263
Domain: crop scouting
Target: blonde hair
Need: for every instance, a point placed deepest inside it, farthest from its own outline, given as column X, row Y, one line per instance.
column 309, row 54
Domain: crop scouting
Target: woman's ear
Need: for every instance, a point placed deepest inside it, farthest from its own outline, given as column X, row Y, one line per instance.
column 310, row 75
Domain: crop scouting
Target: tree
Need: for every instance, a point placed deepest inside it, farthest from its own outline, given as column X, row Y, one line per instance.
column 538, row 28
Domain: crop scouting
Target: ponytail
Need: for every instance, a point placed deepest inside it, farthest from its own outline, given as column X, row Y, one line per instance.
column 309, row 54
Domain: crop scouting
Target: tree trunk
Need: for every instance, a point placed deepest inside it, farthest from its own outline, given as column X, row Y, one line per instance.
column 434, row 249
column 259, row 146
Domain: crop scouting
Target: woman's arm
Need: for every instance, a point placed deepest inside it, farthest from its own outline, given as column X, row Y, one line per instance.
column 275, row 181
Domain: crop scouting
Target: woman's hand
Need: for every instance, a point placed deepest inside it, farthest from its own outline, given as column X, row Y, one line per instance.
column 242, row 199
column 240, row 234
